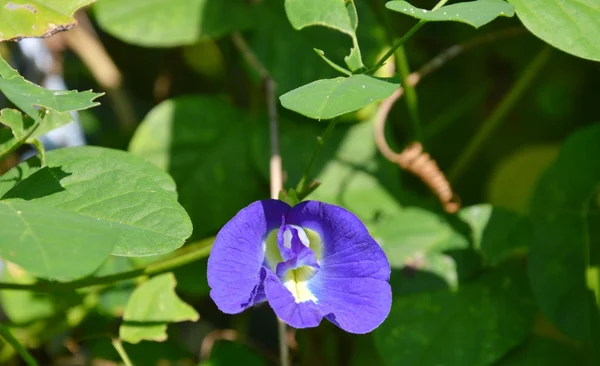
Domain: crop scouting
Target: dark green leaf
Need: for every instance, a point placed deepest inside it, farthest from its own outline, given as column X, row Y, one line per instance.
column 475, row 326
column 564, row 257
column 225, row 353
column 151, row 307
column 497, row 233
column 35, row 18
column 577, row 21
column 475, row 13
column 202, row 142
column 329, row 98
column 169, row 23
column 132, row 196
column 546, row 352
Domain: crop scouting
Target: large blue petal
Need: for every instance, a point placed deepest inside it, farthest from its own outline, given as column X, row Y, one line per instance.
column 234, row 265
column 298, row 315
column 351, row 286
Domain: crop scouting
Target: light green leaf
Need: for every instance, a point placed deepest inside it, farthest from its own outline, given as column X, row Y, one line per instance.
column 337, row 14
column 169, row 23
column 27, row 96
column 475, row 326
column 564, row 260
column 35, row 18
column 497, row 233
column 203, row 143
column 151, row 307
column 325, row 99
column 134, row 197
column 53, row 243
column 475, row 13
column 577, row 21
column 419, row 241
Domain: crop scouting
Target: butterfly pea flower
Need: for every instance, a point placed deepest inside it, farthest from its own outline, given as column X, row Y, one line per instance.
column 309, row 262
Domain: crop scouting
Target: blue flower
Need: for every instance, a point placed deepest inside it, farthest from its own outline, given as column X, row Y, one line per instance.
column 310, row 261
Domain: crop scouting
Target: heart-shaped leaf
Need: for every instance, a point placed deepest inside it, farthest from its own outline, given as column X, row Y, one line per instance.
column 151, row 307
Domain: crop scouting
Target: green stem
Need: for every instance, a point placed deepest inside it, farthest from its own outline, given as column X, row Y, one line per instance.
column 320, row 142
column 412, row 102
column 119, row 347
column 404, row 38
column 498, row 114
column 284, row 351
column 10, row 339
column 186, row 255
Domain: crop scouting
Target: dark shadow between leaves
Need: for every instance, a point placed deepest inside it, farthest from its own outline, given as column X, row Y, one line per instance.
column 44, row 182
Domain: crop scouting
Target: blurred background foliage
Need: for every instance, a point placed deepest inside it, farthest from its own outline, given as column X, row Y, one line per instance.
column 486, row 286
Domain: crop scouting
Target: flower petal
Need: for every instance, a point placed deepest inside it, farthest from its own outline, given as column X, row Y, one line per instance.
column 234, row 265
column 349, row 251
column 352, row 283
column 357, row 305
column 298, row 315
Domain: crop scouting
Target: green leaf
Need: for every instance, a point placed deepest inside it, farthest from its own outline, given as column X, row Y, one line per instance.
column 35, row 18
column 564, row 256
column 337, row 14
column 53, row 243
column 203, row 143
column 546, row 352
column 27, row 95
column 497, row 233
column 418, row 240
column 225, row 353
column 475, row 326
column 169, row 23
column 475, row 13
column 132, row 196
column 577, row 21
column 151, row 307
column 325, row 99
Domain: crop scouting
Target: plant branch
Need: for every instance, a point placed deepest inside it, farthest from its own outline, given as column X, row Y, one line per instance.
column 499, row 113
column 275, row 165
column 188, row 254
column 412, row 102
column 412, row 158
column 320, row 143
column 121, row 351
column 6, row 334
column 404, row 38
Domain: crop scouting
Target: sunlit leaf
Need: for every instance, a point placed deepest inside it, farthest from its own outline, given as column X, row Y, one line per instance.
column 564, row 259
column 475, row 326
column 151, row 307
column 169, row 23
column 475, row 13
column 130, row 196
column 569, row 26
column 326, row 99
column 27, row 96
column 202, row 142
column 35, row 18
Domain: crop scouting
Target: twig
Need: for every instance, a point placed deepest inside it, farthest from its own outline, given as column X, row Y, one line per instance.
column 121, row 351
column 188, row 254
column 6, row 334
column 86, row 44
column 412, row 158
column 275, row 168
